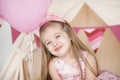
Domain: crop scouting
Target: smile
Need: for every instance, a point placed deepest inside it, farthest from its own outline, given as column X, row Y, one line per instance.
column 58, row 48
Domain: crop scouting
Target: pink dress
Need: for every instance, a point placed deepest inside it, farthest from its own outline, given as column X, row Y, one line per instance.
column 107, row 75
column 69, row 71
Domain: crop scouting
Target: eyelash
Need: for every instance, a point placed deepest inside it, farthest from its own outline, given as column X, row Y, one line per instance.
column 48, row 43
column 58, row 36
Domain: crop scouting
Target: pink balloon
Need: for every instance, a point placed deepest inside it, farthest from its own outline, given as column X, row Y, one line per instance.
column 24, row 15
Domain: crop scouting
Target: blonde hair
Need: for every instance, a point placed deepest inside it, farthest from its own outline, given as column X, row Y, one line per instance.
column 77, row 47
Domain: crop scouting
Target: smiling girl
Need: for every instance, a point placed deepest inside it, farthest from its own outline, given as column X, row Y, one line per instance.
column 64, row 56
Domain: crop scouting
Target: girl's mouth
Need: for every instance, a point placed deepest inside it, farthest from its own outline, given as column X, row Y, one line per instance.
column 58, row 48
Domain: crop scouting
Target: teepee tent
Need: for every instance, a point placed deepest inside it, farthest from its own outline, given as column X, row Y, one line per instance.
column 88, row 10
column 25, row 60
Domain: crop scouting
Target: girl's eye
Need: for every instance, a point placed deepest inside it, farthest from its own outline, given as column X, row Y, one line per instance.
column 58, row 36
column 48, row 43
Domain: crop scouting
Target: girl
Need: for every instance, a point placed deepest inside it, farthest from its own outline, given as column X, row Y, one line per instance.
column 64, row 56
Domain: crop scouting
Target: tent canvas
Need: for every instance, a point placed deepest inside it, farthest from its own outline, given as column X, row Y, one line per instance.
column 86, row 17
column 107, row 10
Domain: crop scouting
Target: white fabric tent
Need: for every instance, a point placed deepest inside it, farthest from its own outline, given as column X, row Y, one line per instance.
column 78, row 13
column 107, row 10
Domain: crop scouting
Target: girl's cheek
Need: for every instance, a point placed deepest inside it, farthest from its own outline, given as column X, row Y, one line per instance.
column 50, row 48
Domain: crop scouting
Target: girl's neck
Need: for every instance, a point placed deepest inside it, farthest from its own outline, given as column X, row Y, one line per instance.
column 69, row 58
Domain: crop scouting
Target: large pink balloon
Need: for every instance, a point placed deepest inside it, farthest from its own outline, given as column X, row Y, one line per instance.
column 24, row 15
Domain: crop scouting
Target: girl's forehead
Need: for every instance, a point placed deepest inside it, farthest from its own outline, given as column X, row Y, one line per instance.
column 50, row 31
column 49, row 25
column 52, row 27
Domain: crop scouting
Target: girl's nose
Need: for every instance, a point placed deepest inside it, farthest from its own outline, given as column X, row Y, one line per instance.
column 54, row 43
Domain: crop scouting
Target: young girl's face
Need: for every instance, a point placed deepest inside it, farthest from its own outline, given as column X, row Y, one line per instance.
column 56, row 40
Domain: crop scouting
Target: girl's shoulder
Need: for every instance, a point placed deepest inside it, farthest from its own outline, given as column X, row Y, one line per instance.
column 85, row 53
column 52, row 63
column 88, row 55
